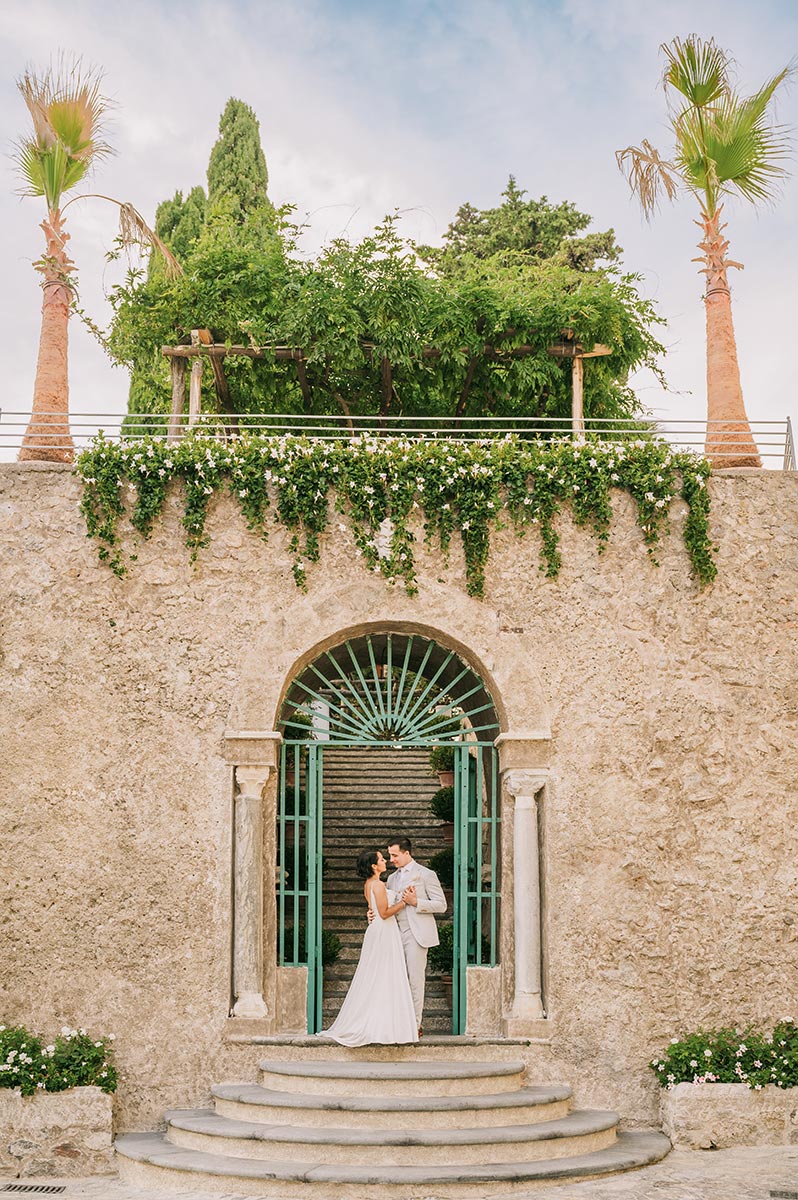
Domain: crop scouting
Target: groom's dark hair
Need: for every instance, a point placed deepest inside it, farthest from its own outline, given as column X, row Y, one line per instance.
column 404, row 844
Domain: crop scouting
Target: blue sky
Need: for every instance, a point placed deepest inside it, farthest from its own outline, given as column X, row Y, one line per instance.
column 367, row 107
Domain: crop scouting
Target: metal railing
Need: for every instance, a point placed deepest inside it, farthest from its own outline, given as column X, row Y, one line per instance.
column 774, row 439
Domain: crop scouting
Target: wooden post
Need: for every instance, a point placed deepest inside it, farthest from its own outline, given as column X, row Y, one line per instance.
column 577, row 389
column 178, row 370
column 195, row 383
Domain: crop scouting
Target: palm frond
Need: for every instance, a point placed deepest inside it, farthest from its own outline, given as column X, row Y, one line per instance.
column 648, row 175
column 135, row 231
column 698, row 70
column 68, row 111
column 732, row 147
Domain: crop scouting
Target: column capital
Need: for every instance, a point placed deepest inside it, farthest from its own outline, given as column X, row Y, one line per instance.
column 525, row 785
column 252, row 747
column 524, row 750
column 252, row 780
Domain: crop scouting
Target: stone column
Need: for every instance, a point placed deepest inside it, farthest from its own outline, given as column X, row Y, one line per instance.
column 254, row 757
column 525, row 787
column 248, row 893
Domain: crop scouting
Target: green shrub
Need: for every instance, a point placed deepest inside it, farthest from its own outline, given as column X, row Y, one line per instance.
column 330, row 944
column 442, row 804
column 440, row 960
column 74, row 1059
column 442, row 864
column 732, row 1056
column 441, row 759
column 330, row 948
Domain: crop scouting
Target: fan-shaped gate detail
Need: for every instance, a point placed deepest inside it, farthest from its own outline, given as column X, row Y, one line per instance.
column 388, row 689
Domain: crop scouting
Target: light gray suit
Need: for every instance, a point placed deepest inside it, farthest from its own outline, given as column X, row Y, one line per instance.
column 417, row 923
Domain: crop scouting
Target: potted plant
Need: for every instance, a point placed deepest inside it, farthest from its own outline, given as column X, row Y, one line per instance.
column 330, row 943
column 442, row 864
column 728, row 1087
column 441, row 763
column 440, row 959
column 47, row 1089
column 442, row 806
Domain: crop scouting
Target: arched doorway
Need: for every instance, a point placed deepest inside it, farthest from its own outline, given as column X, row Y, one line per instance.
column 388, row 690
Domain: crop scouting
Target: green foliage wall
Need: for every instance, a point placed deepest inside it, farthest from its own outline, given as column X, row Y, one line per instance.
column 384, row 327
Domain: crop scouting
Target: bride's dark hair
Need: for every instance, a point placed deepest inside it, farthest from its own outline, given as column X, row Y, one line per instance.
column 365, row 861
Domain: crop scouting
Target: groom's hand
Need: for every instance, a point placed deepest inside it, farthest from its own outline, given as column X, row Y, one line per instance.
column 371, row 914
column 409, row 897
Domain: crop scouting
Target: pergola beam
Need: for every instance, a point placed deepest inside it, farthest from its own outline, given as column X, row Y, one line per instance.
column 567, row 347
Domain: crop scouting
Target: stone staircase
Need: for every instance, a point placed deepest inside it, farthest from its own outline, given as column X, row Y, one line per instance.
column 370, row 793
column 330, row 1125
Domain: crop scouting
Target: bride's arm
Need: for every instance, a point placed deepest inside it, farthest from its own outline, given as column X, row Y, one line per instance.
column 380, row 896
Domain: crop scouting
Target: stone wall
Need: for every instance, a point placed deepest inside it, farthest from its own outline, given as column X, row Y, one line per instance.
column 55, row 1133
column 668, row 823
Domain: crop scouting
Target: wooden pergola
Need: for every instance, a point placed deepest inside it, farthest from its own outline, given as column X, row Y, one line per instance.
column 202, row 348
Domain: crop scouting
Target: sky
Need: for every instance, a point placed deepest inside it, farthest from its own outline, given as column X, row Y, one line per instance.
column 367, row 106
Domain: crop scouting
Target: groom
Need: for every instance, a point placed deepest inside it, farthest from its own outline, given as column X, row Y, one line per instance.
column 421, row 891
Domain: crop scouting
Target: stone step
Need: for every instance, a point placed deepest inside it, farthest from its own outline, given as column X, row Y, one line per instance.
column 375, row 788
column 398, row 1079
column 394, row 821
column 334, row 995
column 578, row 1133
column 303, row 1046
column 349, row 957
column 370, row 764
column 346, row 841
column 149, row 1160
column 523, row 1106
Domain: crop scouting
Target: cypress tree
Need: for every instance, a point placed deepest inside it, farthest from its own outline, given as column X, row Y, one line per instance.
column 179, row 222
column 237, row 172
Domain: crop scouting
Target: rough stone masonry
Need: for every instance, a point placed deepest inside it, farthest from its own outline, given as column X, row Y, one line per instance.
column 667, row 831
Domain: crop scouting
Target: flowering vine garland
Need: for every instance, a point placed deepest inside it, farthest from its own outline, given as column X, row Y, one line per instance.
column 380, row 483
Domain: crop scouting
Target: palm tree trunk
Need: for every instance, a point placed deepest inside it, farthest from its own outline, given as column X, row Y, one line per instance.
column 729, row 442
column 47, row 436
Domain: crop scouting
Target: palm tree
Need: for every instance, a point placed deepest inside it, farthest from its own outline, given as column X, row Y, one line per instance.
column 725, row 145
column 68, row 112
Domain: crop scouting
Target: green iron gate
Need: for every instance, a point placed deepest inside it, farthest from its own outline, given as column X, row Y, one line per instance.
column 299, row 842
column 476, row 858
column 393, row 690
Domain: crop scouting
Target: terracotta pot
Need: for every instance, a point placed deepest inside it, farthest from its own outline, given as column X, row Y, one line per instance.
column 447, row 829
column 446, row 778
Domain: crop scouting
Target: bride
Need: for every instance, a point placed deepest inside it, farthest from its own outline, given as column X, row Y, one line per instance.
column 378, row 1006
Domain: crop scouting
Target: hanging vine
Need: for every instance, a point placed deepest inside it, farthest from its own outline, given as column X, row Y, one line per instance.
column 379, row 484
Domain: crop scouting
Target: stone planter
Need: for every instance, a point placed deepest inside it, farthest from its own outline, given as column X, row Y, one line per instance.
column 56, row 1133
column 715, row 1116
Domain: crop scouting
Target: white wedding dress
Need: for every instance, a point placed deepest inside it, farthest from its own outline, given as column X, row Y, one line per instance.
column 378, row 1006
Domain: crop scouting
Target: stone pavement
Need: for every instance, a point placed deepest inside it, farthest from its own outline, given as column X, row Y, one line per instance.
column 760, row 1173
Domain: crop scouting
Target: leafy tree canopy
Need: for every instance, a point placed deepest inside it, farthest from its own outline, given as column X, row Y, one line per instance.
column 382, row 326
column 533, row 228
